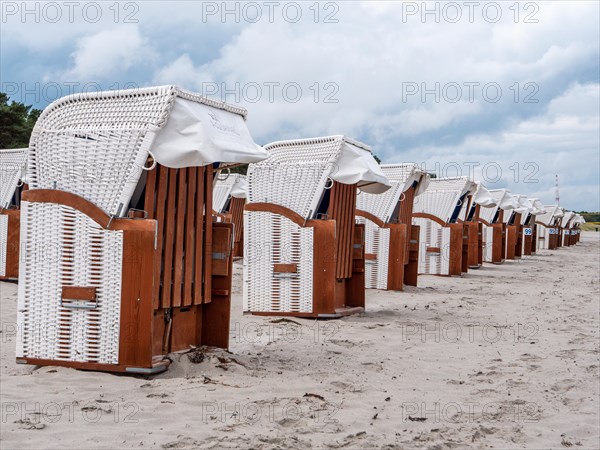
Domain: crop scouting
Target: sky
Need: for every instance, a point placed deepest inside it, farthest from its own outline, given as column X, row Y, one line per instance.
column 506, row 92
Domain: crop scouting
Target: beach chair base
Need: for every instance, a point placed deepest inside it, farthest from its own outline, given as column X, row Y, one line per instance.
column 116, row 321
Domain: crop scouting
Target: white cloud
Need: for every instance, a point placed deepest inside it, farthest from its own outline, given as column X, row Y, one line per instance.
column 109, row 53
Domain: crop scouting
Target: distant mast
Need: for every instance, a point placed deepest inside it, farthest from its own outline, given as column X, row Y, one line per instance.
column 556, row 193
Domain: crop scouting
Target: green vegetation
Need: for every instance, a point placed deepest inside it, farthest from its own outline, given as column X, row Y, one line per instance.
column 590, row 216
column 16, row 122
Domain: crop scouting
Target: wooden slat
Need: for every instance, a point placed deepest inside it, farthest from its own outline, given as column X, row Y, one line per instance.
column 236, row 209
column 189, row 237
column 199, row 230
column 178, row 262
column 208, row 193
column 169, row 240
column 285, row 268
column 157, row 212
column 221, row 244
column 342, row 209
column 79, row 293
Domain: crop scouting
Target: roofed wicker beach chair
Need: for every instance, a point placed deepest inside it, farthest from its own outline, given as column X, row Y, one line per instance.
column 548, row 227
column 392, row 246
column 494, row 227
column 12, row 171
column 482, row 198
column 514, row 227
column 443, row 237
column 304, row 253
column 529, row 230
column 229, row 198
column 565, row 225
column 577, row 222
column 122, row 256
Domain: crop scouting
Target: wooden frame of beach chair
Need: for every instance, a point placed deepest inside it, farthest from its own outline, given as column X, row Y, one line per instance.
column 577, row 221
column 443, row 239
column 515, row 228
column 494, row 226
column 566, row 226
column 391, row 255
column 304, row 254
column 548, row 224
column 482, row 198
column 229, row 198
column 122, row 257
column 12, row 169
column 528, row 226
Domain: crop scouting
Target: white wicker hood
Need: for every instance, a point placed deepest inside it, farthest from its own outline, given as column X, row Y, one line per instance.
column 197, row 134
column 13, row 163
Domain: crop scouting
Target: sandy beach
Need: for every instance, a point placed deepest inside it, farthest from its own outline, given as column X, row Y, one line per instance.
column 506, row 357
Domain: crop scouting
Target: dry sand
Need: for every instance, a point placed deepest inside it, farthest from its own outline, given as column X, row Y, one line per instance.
column 506, row 357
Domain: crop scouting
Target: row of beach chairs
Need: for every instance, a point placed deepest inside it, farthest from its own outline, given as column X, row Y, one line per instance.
column 122, row 218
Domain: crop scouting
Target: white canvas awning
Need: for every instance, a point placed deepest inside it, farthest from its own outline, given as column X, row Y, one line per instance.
column 536, row 207
column 198, row 134
column 483, row 196
column 356, row 165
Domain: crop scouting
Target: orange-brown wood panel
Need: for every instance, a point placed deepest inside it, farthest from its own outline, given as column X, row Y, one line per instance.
column 236, row 209
column 456, row 247
column 397, row 251
column 405, row 216
column 190, row 238
column 185, row 328
column 324, row 267
column 178, row 263
column 411, row 271
column 511, row 241
column 208, row 224
column 12, row 243
column 136, row 329
column 474, row 243
column 527, row 244
column 169, row 240
column 498, row 243
column 342, row 208
column 464, row 267
column 479, row 243
column 216, row 314
column 199, row 230
column 285, row 268
column 355, row 285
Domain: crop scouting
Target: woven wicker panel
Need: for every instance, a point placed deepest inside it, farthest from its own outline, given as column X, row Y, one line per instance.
column 383, row 205
column 298, row 187
column 462, row 184
column 431, row 234
column 274, row 239
column 295, row 173
column 438, row 203
column 3, row 243
column 64, row 247
column 12, row 166
column 488, row 235
column 324, row 150
column 377, row 242
column 543, row 237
